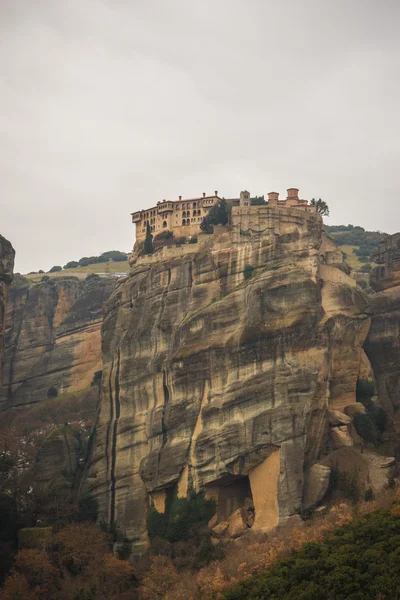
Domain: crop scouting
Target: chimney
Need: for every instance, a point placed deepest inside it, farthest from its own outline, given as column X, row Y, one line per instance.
column 216, row 193
column 273, row 196
column 204, row 194
column 180, row 197
column 292, row 194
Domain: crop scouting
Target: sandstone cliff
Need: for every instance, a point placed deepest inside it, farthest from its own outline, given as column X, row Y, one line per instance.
column 7, row 255
column 227, row 366
column 383, row 342
column 52, row 337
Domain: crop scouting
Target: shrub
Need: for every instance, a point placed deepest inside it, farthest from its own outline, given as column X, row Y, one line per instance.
column 180, row 241
column 365, row 428
column 364, row 389
column 248, row 271
column 45, row 278
column 55, row 269
column 181, row 514
column 365, row 268
column 193, row 239
column 72, row 264
column 92, row 277
column 359, row 561
column 97, row 377
column 52, row 392
column 164, row 235
column 114, row 255
column 257, row 201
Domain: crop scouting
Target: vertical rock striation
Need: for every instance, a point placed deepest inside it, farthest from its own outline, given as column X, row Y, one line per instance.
column 220, row 377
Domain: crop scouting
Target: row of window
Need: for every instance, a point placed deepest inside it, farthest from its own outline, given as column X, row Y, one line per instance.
column 184, row 222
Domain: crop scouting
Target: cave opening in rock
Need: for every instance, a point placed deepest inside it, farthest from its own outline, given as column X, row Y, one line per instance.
column 233, row 493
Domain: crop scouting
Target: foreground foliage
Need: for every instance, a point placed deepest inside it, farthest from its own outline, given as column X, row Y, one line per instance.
column 360, row 561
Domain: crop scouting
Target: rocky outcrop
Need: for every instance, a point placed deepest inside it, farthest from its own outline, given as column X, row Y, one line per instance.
column 221, row 362
column 7, row 255
column 52, row 337
column 383, row 342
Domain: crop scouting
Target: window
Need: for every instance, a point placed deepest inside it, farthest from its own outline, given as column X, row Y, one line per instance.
column 184, row 222
column 164, row 224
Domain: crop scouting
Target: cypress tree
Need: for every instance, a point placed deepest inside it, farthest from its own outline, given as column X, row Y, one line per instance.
column 148, row 242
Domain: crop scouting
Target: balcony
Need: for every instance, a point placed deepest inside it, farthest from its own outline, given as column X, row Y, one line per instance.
column 164, row 208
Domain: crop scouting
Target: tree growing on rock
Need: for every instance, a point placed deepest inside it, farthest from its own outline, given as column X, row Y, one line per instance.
column 322, row 207
column 148, row 242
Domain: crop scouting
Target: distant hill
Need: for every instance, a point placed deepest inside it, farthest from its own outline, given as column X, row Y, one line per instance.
column 110, row 262
column 356, row 243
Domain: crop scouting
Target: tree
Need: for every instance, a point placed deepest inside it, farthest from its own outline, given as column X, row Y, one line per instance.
column 257, row 201
column 115, row 255
column 72, row 264
column 217, row 215
column 322, row 207
column 55, row 269
column 148, row 242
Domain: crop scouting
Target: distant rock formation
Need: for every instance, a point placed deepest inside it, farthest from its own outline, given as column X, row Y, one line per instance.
column 227, row 367
column 7, row 255
column 383, row 342
column 52, row 337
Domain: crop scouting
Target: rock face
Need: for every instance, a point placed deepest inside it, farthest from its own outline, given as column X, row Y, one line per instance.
column 382, row 345
column 220, row 377
column 7, row 255
column 52, row 337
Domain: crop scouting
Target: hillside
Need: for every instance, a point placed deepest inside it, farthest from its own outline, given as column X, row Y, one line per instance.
column 113, row 262
column 357, row 244
column 359, row 561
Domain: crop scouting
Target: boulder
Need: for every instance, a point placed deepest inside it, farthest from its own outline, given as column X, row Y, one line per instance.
column 316, row 483
column 236, row 526
column 356, row 408
column 338, row 418
column 340, row 436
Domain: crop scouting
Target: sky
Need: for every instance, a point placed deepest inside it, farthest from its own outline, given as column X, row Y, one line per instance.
column 107, row 106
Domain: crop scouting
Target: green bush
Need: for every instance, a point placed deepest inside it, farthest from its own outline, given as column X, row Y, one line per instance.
column 114, row 255
column 164, row 235
column 365, row 428
column 217, row 215
column 359, row 561
column 181, row 514
column 52, row 392
column 180, row 241
column 45, row 278
column 55, row 269
column 193, row 239
column 248, row 271
column 365, row 390
column 257, row 201
column 72, row 264
column 92, row 277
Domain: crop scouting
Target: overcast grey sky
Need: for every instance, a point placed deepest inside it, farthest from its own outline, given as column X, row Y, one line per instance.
column 107, row 106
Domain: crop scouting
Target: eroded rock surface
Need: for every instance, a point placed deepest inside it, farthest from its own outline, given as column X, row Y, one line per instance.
column 7, row 255
column 383, row 342
column 52, row 337
column 214, row 381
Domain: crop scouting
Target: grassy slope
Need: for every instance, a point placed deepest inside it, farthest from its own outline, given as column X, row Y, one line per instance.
column 82, row 272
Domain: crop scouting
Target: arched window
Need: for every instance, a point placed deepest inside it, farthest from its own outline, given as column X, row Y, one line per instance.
column 184, row 214
column 188, row 213
column 164, row 224
column 183, row 221
column 194, row 204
